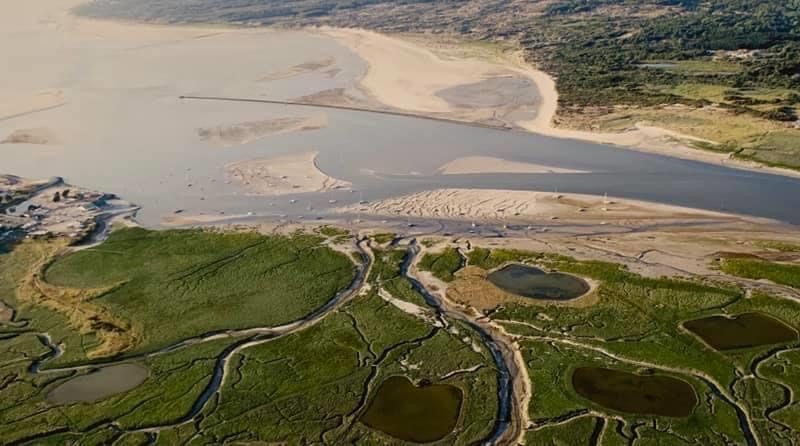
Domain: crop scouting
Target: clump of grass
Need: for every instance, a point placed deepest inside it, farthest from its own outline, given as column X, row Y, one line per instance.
column 334, row 232
column 778, row 245
column 443, row 264
column 383, row 238
column 782, row 273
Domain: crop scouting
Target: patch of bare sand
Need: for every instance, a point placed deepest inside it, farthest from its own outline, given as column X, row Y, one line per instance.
column 40, row 136
column 246, row 132
column 487, row 164
column 407, row 76
column 514, row 205
column 282, row 175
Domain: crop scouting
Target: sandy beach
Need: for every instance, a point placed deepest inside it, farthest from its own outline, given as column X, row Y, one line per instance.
column 408, row 73
column 289, row 174
column 526, row 206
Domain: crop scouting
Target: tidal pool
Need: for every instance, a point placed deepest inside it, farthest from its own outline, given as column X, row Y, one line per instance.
column 418, row 414
column 99, row 385
column 637, row 394
column 534, row 283
column 741, row 331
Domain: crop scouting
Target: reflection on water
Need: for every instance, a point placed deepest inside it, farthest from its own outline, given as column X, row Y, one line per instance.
column 534, row 283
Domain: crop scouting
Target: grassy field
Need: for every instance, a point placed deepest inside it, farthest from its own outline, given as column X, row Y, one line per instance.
column 173, row 285
column 442, row 264
column 782, row 273
column 307, row 387
column 386, row 271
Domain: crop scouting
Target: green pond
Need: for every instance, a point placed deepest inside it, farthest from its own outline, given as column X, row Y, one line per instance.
column 417, row 414
column 534, row 283
column 742, row 331
column 637, row 394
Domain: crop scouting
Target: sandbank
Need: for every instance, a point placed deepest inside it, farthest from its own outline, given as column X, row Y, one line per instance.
column 488, row 164
column 523, row 206
column 246, row 132
column 407, row 72
column 282, row 175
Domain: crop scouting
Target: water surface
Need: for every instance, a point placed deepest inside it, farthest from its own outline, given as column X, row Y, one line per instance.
column 417, row 414
column 532, row 282
column 632, row 393
column 741, row 331
column 143, row 143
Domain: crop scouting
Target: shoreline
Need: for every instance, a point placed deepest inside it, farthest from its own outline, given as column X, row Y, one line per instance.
column 521, row 206
column 411, row 51
column 646, row 138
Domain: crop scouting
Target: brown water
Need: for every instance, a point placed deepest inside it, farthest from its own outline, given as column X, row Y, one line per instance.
column 418, row 414
column 534, row 283
column 632, row 393
column 741, row 331
column 100, row 384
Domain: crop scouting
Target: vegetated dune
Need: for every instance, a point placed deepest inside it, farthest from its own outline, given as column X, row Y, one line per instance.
column 287, row 174
column 245, row 132
column 510, row 205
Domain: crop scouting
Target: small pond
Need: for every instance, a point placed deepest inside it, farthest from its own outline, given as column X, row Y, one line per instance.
column 417, row 414
column 742, row 331
column 99, row 384
column 532, row 282
column 632, row 393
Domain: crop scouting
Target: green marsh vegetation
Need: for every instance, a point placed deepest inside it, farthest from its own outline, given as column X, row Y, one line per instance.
column 442, row 264
column 386, row 271
column 636, row 327
column 174, row 285
column 781, row 273
column 309, row 386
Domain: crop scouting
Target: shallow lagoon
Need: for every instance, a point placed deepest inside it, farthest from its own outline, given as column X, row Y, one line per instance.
column 741, row 331
column 633, row 393
column 532, row 282
column 417, row 414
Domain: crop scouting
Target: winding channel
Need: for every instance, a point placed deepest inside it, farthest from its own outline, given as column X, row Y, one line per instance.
column 508, row 424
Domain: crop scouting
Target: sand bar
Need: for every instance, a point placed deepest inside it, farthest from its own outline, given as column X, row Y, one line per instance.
column 515, row 205
column 246, row 132
column 488, row 164
column 282, row 175
column 406, row 73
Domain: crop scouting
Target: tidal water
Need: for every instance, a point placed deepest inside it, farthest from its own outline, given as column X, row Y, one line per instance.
column 140, row 141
